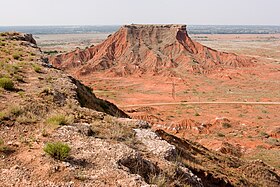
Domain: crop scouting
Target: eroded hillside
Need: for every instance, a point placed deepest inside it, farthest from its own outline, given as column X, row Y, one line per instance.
column 148, row 49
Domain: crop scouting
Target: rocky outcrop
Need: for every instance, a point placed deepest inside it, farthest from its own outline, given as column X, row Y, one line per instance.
column 154, row 49
column 20, row 37
column 215, row 169
column 86, row 98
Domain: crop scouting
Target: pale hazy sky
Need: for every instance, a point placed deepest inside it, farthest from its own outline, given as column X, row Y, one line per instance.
column 118, row 12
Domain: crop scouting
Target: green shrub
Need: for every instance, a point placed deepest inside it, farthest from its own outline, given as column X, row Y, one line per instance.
column 57, row 150
column 6, row 83
column 4, row 34
column 21, row 94
column 37, row 68
column 16, row 56
column 2, row 116
column 2, row 44
column 59, row 120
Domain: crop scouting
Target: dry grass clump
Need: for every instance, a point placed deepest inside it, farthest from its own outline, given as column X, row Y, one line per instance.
column 4, row 149
column 114, row 129
column 59, row 120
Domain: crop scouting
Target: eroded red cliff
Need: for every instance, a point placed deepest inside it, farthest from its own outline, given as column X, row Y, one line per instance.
column 148, row 49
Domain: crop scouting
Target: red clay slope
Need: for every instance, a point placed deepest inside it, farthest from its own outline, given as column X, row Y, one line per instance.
column 153, row 49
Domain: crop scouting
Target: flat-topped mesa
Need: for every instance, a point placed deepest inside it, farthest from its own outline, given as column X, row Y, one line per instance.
column 166, row 27
column 148, row 49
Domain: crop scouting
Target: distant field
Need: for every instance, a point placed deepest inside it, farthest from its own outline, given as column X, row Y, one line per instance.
column 193, row 29
column 68, row 42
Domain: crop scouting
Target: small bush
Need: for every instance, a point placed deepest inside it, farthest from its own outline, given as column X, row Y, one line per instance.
column 4, row 149
column 220, row 134
column 59, row 120
column 264, row 135
column 37, row 68
column 21, row 94
column 2, row 116
column 264, row 111
column 226, row 125
column 15, row 111
column 4, row 34
column 196, row 114
column 6, row 83
column 2, row 44
column 57, row 150
column 16, row 56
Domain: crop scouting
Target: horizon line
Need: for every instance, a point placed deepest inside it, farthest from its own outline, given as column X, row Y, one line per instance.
column 104, row 25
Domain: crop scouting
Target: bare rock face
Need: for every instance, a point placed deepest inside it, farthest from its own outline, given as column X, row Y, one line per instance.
column 23, row 37
column 153, row 49
column 155, row 144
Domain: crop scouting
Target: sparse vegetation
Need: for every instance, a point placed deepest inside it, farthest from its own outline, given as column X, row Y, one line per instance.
column 59, row 120
column 6, row 83
column 51, row 52
column 32, row 54
column 226, row 125
column 2, row 116
column 115, row 130
column 2, row 44
column 273, row 141
column 21, row 94
column 45, row 133
column 259, row 117
column 16, row 56
column 37, row 68
column 264, row 135
column 3, row 148
column 268, row 156
column 220, row 134
column 15, row 111
column 4, row 33
column 57, row 150
column 264, row 111
column 158, row 180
